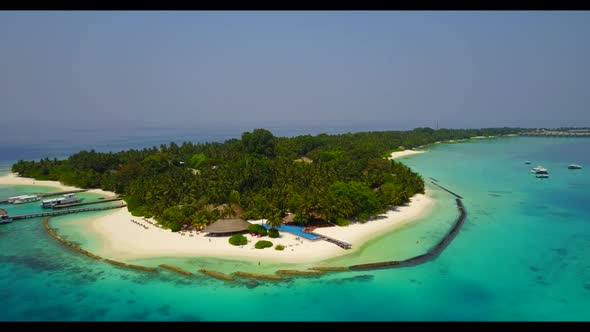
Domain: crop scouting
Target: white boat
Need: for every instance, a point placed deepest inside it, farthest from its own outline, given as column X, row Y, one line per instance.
column 542, row 176
column 66, row 199
column 13, row 198
column 25, row 199
column 574, row 166
column 539, row 170
column 4, row 217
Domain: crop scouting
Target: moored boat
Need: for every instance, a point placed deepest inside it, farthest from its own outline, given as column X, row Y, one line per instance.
column 66, row 199
column 542, row 176
column 574, row 166
column 527, row 162
column 539, row 170
column 25, row 199
column 13, row 198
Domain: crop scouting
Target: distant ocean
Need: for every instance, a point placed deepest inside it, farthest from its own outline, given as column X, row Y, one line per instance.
column 60, row 144
column 523, row 253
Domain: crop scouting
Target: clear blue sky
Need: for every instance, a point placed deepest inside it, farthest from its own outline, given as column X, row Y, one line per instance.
column 242, row 70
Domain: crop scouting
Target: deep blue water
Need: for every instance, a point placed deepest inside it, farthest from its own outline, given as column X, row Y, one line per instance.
column 523, row 254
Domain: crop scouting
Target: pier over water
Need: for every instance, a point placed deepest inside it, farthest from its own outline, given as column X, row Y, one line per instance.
column 65, row 211
column 51, row 194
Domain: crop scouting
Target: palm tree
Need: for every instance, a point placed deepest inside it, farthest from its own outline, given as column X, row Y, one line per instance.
column 234, row 198
column 228, row 211
column 275, row 220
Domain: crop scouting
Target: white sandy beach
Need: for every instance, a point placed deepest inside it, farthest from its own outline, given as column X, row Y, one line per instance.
column 358, row 233
column 399, row 154
column 12, row 179
column 122, row 239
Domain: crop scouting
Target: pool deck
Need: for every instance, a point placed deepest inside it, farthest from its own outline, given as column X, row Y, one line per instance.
column 300, row 233
column 317, row 236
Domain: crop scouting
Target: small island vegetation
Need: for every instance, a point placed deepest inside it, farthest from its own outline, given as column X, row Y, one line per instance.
column 260, row 176
column 263, row 244
column 257, row 230
column 238, row 240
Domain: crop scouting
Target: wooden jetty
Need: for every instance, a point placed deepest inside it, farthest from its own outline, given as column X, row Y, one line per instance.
column 65, row 211
column 87, row 203
column 339, row 243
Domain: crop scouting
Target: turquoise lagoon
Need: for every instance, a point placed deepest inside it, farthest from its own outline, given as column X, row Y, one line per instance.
column 523, row 254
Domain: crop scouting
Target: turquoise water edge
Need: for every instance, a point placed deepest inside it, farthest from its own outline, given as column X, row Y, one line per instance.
column 523, row 254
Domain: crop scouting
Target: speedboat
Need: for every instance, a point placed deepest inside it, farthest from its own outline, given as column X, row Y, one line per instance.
column 574, row 166
column 539, row 170
column 542, row 176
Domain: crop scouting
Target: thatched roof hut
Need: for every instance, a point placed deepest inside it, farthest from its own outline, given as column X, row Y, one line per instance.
column 227, row 227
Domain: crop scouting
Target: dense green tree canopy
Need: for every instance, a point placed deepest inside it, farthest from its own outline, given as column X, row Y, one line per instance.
column 342, row 176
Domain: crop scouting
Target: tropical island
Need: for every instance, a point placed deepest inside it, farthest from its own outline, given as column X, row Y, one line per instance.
column 309, row 181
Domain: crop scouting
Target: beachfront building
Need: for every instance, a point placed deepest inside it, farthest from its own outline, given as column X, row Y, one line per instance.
column 226, row 227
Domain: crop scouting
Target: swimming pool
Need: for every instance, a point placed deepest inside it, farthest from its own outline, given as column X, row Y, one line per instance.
column 297, row 230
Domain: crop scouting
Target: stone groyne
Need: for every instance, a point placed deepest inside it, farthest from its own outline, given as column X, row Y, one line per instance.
column 257, row 275
column 426, row 257
column 89, row 254
column 217, row 275
column 175, row 269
